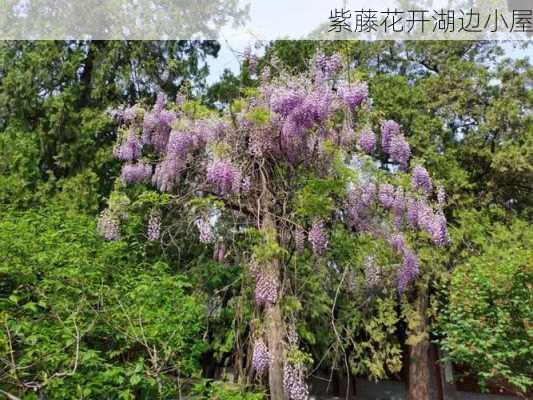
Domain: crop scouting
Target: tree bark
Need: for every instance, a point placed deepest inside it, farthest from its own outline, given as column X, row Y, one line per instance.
column 87, row 74
column 274, row 337
column 274, row 325
column 418, row 384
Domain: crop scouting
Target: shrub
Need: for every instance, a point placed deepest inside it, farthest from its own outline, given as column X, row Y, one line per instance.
column 81, row 318
column 487, row 324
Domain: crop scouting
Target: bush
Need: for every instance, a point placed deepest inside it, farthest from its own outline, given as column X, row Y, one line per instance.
column 81, row 318
column 487, row 324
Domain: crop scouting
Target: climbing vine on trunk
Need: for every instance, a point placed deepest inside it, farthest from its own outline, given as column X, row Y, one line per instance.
column 285, row 166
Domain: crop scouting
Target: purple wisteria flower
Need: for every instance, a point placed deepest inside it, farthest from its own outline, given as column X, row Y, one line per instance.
column 136, row 173
column 261, row 144
column 316, row 107
column 292, row 335
column 284, row 100
column 397, row 242
column 266, row 73
column 150, row 122
column 321, row 60
column 167, row 117
column 224, row 177
column 420, row 180
column 318, row 238
column 327, row 66
column 251, row 59
column 167, row 172
column 386, row 195
column 253, row 63
column 368, row 193
column 294, row 382
column 425, row 214
column 438, row 230
column 299, row 239
column 389, row 129
column 260, row 358
column 160, row 102
column 206, row 230
column 358, row 201
column 266, row 288
column 399, row 150
column 130, row 113
column 108, row 225
column 154, row 227
column 180, row 143
column 398, row 207
column 346, row 135
column 433, row 223
column 130, row 149
column 157, row 125
column 353, row 94
column 333, row 64
column 408, row 271
column 412, row 211
column 367, row 141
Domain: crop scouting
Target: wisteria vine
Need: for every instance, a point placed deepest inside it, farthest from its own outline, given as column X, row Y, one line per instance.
column 288, row 123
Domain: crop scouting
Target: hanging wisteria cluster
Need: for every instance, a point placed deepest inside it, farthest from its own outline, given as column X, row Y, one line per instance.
column 236, row 158
column 251, row 59
column 224, row 177
column 394, row 143
column 317, row 237
column 154, row 227
column 367, row 140
column 205, row 230
column 299, row 239
column 108, row 226
column 328, row 66
column 420, row 180
column 358, row 206
column 136, row 173
column 260, row 358
column 266, row 289
column 266, row 285
column 294, row 382
column 130, row 147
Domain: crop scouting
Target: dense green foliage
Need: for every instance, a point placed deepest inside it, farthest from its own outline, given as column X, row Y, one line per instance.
column 53, row 98
column 487, row 323
column 87, row 319
column 81, row 318
column 467, row 111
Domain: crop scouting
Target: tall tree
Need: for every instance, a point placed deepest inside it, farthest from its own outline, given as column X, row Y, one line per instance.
column 467, row 110
column 273, row 171
column 54, row 95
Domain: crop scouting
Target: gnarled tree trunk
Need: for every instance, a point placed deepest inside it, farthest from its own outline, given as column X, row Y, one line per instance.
column 418, row 387
column 274, row 338
column 274, row 326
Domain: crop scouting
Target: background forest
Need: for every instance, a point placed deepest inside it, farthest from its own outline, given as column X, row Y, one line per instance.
column 81, row 317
